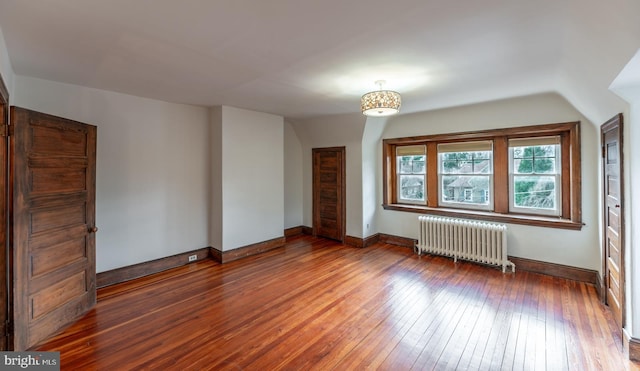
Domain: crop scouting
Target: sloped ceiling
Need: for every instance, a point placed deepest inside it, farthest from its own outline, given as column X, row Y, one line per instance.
column 308, row 58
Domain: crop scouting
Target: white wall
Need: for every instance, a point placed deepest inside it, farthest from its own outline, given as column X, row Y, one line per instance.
column 215, row 225
column 5, row 66
column 600, row 38
column 371, row 172
column 252, row 176
column 334, row 131
column 153, row 168
column 574, row 248
column 292, row 177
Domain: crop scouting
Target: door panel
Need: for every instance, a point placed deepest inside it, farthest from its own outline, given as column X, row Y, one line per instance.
column 613, row 244
column 53, row 164
column 329, row 192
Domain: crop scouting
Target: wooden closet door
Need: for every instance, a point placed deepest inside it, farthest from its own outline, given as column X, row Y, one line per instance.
column 53, row 170
column 329, row 192
column 613, row 218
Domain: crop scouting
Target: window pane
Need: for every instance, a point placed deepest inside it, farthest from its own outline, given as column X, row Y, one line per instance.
column 405, row 164
column 482, row 165
column 537, row 192
column 545, row 165
column 412, row 187
column 535, row 160
column 478, row 162
column 522, row 166
column 469, row 189
column 449, row 166
column 411, row 164
column 418, row 165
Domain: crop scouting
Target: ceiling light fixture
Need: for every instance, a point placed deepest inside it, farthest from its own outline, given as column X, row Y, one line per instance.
column 380, row 102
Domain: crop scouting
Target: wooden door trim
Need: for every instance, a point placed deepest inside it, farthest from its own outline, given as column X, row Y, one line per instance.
column 343, row 188
column 5, row 282
column 617, row 120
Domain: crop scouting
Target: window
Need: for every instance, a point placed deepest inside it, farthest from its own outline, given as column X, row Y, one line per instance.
column 534, row 175
column 524, row 175
column 465, row 174
column 411, row 170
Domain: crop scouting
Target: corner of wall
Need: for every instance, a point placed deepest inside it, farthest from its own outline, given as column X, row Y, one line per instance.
column 293, row 178
column 215, row 153
column 371, row 177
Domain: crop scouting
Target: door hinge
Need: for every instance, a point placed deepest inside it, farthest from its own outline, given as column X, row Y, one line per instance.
column 603, row 151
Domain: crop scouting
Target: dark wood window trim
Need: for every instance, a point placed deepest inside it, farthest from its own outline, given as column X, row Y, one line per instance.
column 571, row 207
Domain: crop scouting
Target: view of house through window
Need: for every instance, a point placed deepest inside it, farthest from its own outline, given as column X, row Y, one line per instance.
column 465, row 172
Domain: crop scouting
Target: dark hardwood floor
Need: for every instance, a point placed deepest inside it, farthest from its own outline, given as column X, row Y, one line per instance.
column 317, row 304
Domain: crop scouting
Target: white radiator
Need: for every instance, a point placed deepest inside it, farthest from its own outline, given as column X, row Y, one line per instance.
column 477, row 241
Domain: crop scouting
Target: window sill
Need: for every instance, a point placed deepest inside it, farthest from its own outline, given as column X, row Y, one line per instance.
column 531, row 220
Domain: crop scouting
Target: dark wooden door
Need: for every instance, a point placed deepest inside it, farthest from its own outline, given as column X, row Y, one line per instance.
column 329, row 192
column 611, row 133
column 53, row 170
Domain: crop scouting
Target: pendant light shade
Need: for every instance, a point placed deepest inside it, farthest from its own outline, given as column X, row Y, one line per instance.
column 381, row 102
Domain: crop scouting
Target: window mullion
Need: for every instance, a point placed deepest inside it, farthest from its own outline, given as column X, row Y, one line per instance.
column 501, row 175
column 432, row 174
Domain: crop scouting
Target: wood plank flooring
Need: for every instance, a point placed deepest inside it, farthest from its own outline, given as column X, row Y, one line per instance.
column 317, row 304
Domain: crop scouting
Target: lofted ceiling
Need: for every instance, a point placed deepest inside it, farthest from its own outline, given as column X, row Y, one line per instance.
column 307, row 58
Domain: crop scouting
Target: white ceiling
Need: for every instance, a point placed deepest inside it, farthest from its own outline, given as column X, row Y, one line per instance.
column 305, row 58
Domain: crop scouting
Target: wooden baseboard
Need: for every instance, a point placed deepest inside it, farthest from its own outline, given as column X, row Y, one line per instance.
column 556, row 270
column 371, row 240
column 380, row 237
column 123, row 274
column 353, row 241
column 634, row 349
column 397, row 240
column 296, row 231
column 361, row 242
column 245, row 251
column 631, row 346
column 293, row 231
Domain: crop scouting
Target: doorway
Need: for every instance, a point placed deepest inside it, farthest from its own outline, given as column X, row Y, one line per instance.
column 329, row 189
column 613, row 217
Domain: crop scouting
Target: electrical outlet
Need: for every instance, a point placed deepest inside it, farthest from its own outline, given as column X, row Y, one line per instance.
column 193, row 258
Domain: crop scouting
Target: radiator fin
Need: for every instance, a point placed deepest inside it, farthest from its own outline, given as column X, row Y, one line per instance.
column 472, row 240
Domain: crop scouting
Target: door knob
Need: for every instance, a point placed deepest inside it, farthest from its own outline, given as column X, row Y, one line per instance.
column 93, row 229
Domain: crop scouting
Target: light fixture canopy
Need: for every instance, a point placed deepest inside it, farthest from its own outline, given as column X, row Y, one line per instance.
column 380, row 102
